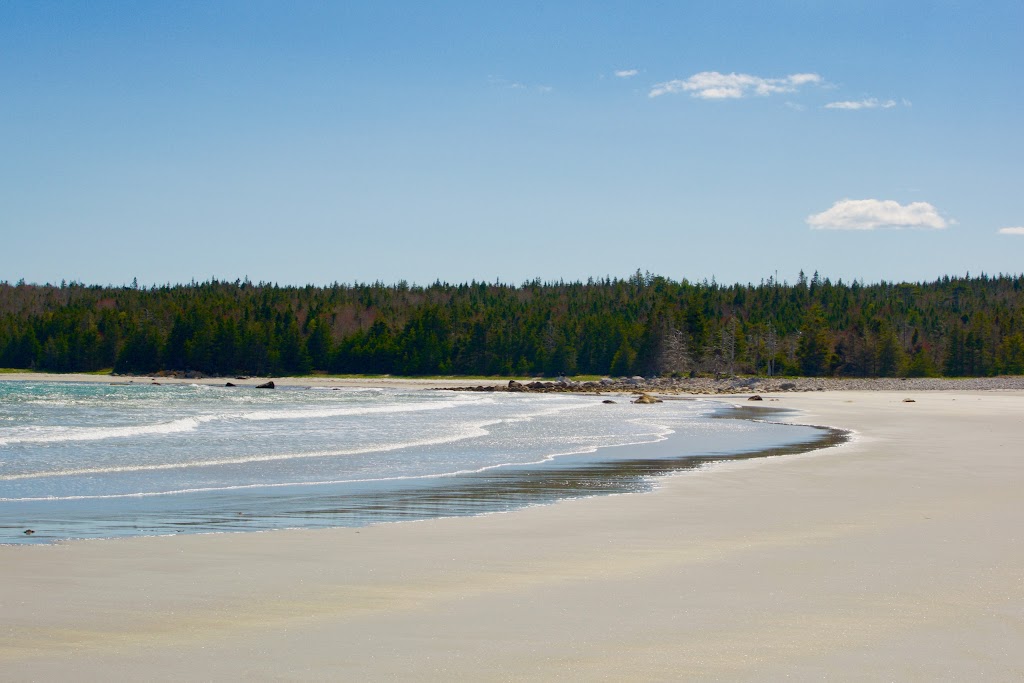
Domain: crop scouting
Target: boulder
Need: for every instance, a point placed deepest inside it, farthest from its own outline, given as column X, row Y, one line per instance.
column 229, row 384
column 786, row 386
column 266, row 385
column 515, row 386
column 755, row 397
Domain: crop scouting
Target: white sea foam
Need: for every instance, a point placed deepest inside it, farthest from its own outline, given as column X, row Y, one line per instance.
column 468, row 431
column 308, row 413
column 547, row 457
column 56, row 434
column 49, row 434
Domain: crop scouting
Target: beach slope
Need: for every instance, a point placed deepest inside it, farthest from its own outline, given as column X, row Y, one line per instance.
column 898, row 556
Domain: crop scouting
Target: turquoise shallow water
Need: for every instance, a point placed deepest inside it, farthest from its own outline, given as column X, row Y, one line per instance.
column 99, row 461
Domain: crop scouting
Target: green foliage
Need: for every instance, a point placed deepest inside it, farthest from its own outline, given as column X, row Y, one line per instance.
column 814, row 349
column 641, row 325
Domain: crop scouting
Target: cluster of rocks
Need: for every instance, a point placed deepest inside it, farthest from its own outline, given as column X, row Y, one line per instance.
column 563, row 385
column 749, row 385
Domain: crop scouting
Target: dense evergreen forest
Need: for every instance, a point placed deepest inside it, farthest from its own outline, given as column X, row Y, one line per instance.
column 649, row 325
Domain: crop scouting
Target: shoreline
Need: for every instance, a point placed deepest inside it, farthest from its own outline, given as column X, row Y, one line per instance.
column 734, row 387
column 894, row 556
column 249, row 382
column 602, row 470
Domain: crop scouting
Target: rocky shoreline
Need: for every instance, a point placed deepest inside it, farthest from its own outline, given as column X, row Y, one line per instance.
column 750, row 385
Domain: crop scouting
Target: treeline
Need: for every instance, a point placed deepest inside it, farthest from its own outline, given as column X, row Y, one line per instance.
column 644, row 324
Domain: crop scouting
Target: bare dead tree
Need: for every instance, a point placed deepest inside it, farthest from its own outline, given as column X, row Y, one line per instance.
column 729, row 344
column 673, row 352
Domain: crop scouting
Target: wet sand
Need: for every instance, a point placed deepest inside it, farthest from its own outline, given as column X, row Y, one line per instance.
column 896, row 556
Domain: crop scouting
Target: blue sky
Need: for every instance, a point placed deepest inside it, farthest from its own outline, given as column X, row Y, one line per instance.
column 319, row 142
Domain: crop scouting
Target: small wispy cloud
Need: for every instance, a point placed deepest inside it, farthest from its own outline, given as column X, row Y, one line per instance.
column 869, row 103
column 712, row 85
column 501, row 82
column 1011, row 231
column 870, row 214
column 626, row 73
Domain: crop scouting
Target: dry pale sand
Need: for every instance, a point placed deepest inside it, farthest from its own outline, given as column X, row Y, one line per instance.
column 899, row 556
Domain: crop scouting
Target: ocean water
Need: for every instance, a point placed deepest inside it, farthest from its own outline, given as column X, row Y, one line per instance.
column 82, row 460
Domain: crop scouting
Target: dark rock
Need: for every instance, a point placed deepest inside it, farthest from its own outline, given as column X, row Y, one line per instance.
column 230, row 384
column 607, row 400
column 755, row 397
column 266, row 385
column 786, row 386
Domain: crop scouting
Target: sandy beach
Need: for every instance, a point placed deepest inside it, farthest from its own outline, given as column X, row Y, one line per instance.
column 897, row 556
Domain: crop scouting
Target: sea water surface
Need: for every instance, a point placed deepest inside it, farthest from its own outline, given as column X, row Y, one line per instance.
column 91, row 460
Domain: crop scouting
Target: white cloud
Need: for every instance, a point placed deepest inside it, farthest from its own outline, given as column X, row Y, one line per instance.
column 1011, row 231
column 504, row 83
column 627, row 73
column 712, row 85
column 870, row 103
column 869, row 214
column 501, row 82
